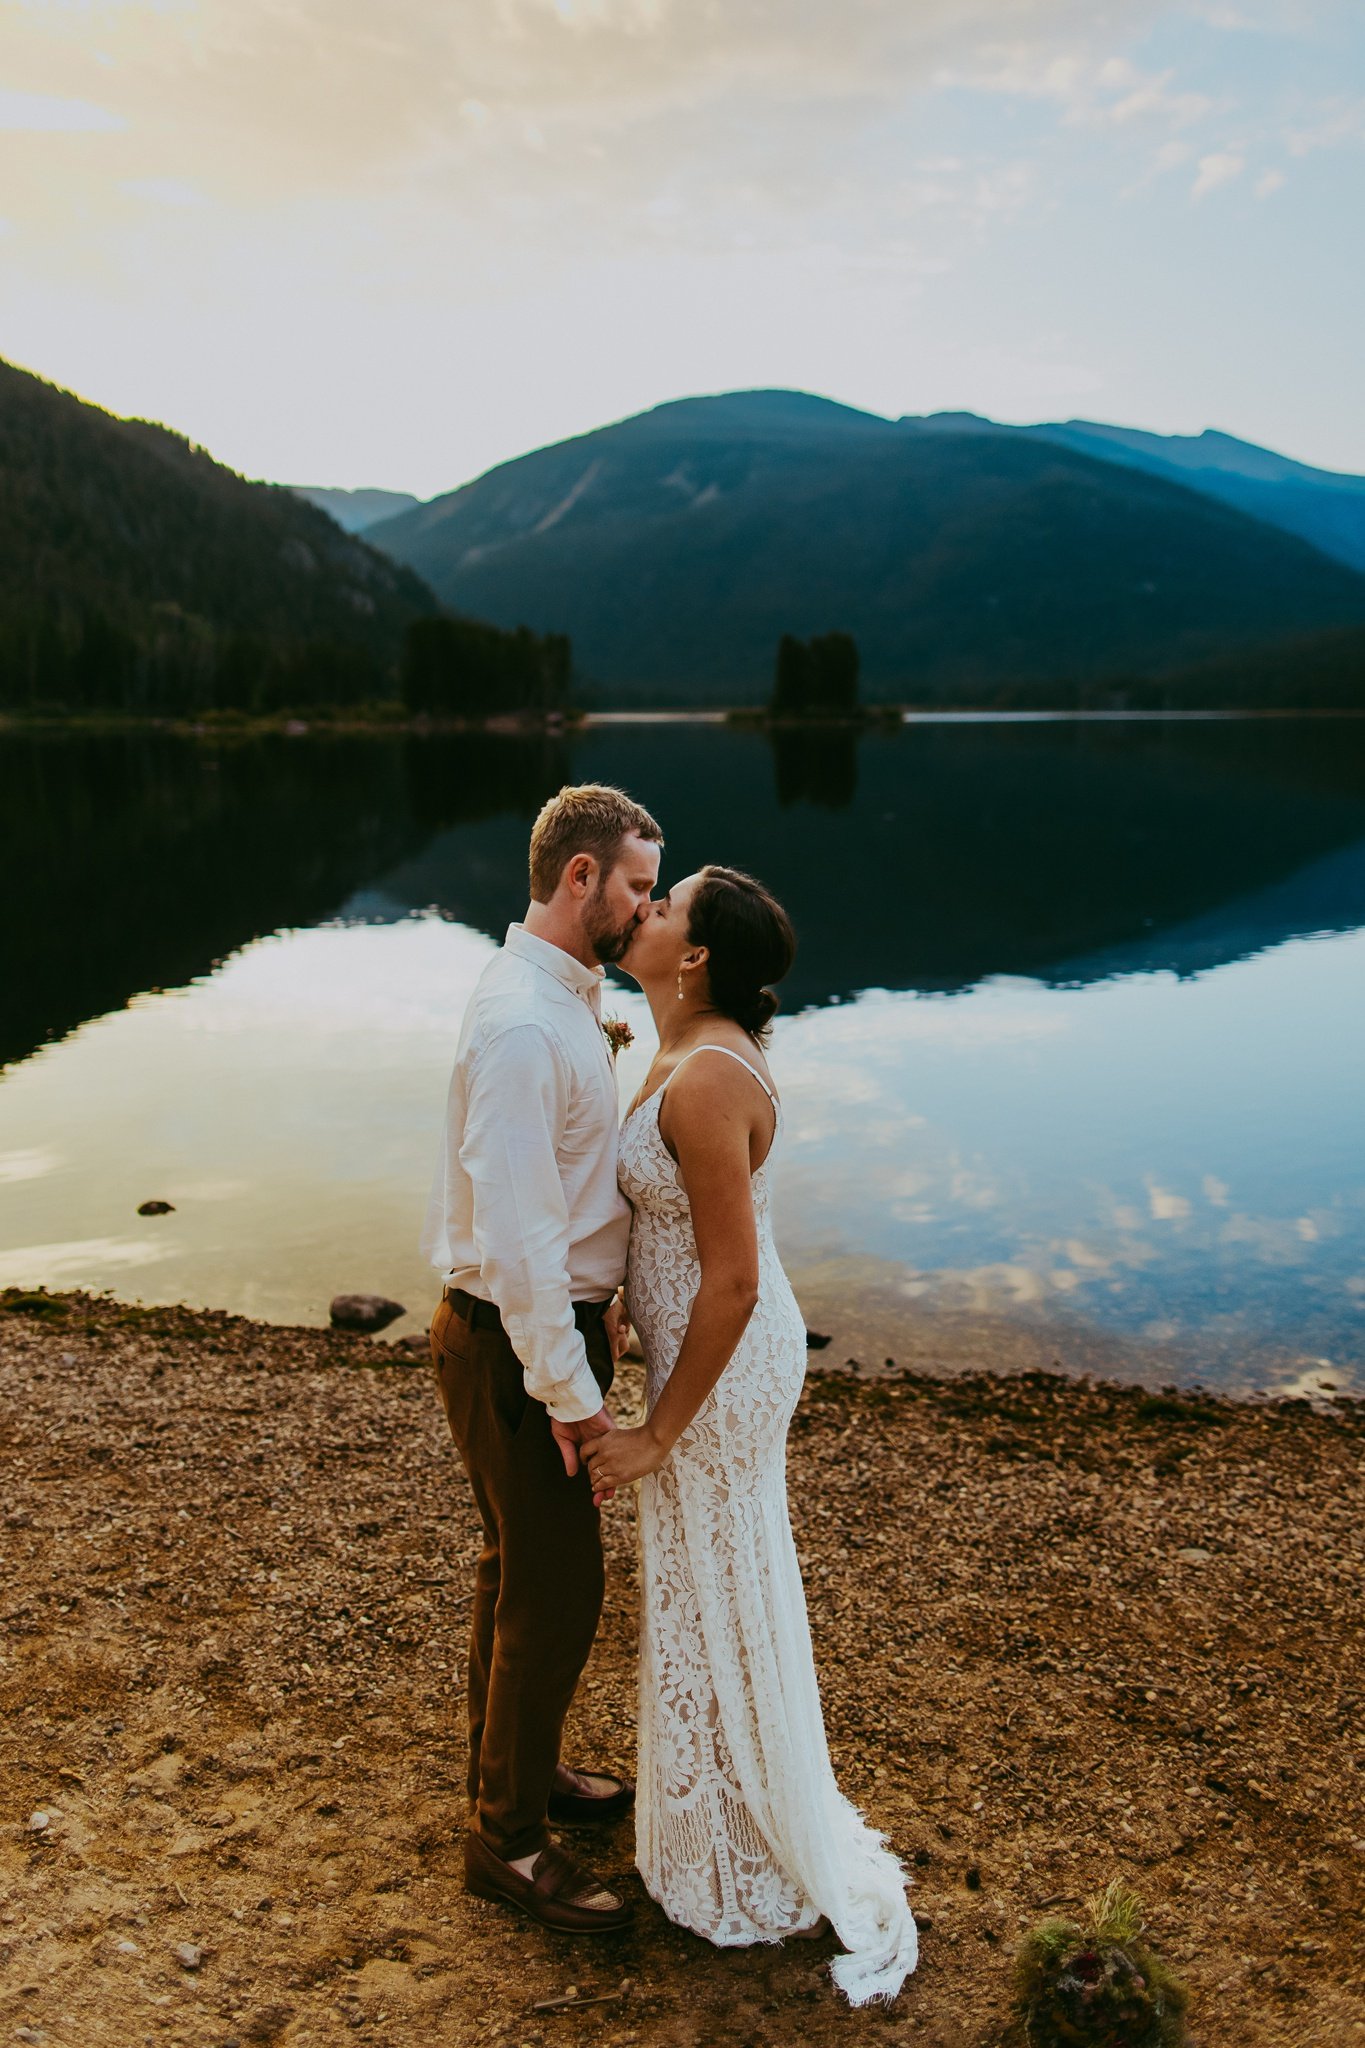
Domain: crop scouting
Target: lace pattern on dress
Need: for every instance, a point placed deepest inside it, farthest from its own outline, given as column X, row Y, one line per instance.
column 742, row 1833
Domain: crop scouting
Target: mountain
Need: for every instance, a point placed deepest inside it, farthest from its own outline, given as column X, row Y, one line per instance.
column 1324, row 506
column 353, row 511
column 136, row 573
column 1320, row 505
column 676, row 547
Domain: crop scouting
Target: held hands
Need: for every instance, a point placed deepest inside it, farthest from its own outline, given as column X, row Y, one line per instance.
column 571, row 1437
column 620, row 1459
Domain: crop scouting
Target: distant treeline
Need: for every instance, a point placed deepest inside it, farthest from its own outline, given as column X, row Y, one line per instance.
column 139, row 576
column 458, row 668
column 1319, row 672
column 447, row 668
column 816, row 678
column 80, row 659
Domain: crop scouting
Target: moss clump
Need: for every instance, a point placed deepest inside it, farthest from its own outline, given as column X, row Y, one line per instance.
column 1180, row 1408
column 1094, row 1983
column 25, row 1301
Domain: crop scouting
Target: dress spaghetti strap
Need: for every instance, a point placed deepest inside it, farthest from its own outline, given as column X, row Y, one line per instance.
column 730, row 1056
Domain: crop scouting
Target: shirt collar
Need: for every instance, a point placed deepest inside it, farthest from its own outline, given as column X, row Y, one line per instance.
column 583, row 981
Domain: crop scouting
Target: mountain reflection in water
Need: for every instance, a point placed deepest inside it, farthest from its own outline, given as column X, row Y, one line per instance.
column 927, row 858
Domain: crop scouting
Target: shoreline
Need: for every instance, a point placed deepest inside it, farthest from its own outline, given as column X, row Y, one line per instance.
column 864, row 1331
column 873, row 718
column 1065, row 1630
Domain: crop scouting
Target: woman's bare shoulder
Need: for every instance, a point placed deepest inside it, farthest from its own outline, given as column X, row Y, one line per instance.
column 705, row 1079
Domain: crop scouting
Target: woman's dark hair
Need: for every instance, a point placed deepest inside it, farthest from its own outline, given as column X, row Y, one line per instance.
column 749, row 942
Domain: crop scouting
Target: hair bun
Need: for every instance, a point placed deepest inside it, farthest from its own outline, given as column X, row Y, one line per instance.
column 762, row 1010
column 749, row 940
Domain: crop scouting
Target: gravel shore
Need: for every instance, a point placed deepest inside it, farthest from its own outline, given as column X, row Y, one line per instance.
column 1065, row 1630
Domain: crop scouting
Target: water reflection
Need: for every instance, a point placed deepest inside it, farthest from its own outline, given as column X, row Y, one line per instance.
column 1147, row 1176
column 1018, row 1098
column 930, row 858
column 815, row 764
column 137, row 861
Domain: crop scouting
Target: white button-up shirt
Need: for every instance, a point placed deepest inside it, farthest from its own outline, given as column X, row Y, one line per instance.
column 525, row 1211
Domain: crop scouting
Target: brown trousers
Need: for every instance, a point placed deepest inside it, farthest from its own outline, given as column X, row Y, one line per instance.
column 539, row 1581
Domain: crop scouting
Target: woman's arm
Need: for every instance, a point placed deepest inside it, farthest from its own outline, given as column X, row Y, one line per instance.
column 711, row 1125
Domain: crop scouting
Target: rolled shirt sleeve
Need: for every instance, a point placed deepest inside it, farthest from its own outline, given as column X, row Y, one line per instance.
column 517, row 1106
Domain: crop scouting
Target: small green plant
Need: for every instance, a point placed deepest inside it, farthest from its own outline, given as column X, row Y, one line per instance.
column 1093, row 1982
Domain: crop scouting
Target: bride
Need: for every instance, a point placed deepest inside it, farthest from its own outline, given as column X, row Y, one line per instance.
column 743, row 1835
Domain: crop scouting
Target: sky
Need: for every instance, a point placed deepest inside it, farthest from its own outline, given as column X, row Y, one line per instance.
column 350, row 244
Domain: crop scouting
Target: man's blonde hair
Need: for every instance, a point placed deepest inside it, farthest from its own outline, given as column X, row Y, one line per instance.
column 588, row 817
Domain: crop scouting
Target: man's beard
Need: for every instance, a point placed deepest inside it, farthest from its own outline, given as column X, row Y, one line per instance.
column 608, row 941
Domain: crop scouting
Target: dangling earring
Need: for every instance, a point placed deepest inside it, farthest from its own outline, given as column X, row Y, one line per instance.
column 680, row 986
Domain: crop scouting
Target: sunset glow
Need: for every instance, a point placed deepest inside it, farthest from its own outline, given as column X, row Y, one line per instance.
column 352, row 245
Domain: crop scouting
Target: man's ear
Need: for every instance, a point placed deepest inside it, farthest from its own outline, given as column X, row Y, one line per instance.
column 579, row 873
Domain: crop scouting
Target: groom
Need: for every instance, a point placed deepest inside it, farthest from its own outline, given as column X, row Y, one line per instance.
column 528, row 1224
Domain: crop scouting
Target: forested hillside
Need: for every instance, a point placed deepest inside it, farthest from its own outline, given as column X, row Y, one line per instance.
column 138, row 574
column 677, row 547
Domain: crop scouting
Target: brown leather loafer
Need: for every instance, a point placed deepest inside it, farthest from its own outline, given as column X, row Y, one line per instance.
column 571, row 1804
column 559, row 1893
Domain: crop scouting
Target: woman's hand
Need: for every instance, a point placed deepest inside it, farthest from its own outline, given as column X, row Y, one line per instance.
column 616, row 1323
column 620, row 1459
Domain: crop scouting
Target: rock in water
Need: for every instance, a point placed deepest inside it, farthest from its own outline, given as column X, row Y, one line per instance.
column 368, row 1312
column 156, row 1208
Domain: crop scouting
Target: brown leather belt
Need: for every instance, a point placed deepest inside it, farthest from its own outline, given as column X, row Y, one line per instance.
column 483, row 1315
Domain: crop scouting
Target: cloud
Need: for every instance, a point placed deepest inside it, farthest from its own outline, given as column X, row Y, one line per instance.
column 1090, row 90
column 163, row 191
column 554, row 211
column 33, row 1265
column 40, row 113
column 1140, row 97
column 1169, row 157
column 1003, row 190
column 33, row 1163
column 1273, row 1240
column 1268, row 182
column 512, row 100
column 1220, row 167
column 1336, row 122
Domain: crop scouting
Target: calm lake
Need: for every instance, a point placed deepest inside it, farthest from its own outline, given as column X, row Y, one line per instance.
column 1073, row 1056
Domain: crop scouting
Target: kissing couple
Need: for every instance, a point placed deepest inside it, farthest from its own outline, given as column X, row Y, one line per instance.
column 543, row 1201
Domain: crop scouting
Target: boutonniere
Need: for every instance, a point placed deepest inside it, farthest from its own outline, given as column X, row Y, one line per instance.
column 618, row 1034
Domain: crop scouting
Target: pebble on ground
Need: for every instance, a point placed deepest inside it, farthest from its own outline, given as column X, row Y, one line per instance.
column 1065, row 1630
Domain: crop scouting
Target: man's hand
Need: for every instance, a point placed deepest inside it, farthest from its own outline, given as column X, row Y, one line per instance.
column 569, row 1435
column 616, row 1323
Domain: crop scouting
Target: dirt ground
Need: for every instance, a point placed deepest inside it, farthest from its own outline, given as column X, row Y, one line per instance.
column 1065, row 1630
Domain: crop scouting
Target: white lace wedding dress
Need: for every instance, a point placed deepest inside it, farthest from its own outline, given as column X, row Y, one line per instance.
column 742, row 1834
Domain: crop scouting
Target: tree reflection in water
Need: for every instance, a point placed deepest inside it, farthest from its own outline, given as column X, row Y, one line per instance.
column 926, row 858
column 137, row 860
column 815, row 764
